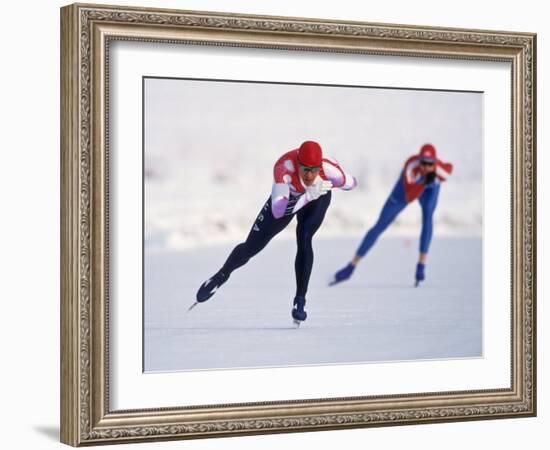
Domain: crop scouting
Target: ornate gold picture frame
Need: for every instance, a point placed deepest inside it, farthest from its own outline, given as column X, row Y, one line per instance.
column 87, row 34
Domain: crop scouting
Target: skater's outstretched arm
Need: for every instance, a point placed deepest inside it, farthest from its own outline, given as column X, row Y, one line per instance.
column 443, row 170
column 338, row 176
column 331, row 176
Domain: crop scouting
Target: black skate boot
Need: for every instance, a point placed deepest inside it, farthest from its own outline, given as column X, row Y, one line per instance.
column 210, row 286
column 298, row 313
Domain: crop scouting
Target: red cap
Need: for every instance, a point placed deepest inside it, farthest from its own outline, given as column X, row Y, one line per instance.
column 310, row 154
column 428, row 153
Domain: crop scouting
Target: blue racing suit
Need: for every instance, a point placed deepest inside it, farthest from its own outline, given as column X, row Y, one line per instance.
column 395, row 203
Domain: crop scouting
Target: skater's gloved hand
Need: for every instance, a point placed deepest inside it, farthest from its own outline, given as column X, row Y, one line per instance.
column 320, row 187
column 429, row 178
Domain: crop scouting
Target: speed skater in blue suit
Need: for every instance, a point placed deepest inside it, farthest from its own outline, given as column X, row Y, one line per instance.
column 420, row 179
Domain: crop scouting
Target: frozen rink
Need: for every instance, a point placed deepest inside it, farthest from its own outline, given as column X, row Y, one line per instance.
column 376, row 316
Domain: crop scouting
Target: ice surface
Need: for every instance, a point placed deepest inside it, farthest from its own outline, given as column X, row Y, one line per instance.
column 376, row 316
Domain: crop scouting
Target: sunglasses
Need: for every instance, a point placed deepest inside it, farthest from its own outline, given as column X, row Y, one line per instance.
column 310, row 169
column 427, row 163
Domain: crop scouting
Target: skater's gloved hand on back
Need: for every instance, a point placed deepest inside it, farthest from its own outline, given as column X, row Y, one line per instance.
column 320, row 187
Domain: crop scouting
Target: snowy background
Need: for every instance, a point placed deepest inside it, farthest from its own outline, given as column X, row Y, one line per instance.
column 209, row 150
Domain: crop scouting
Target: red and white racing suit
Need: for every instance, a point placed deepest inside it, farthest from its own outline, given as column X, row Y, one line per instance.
column 288, row 188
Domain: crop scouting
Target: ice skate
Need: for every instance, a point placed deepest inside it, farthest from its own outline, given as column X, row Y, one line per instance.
column 420, row 275
column 343, row 274
column 210, row 286
column 298, row 313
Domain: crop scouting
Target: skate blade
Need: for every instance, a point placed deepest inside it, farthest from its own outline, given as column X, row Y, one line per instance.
column 192, row 306
column 296, row 323
column 417, row 283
